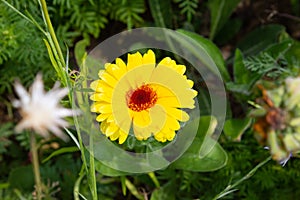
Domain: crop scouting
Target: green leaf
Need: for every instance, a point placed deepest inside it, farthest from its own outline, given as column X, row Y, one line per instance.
column 260, row 39
column 123, row 184
column 133, row 190
column 278, row 49
column 161, row 13
column 61, row 151
column 192, row 161
column 80, row 50
column 220, row 11
column 165, row 192
column 204, row 154
column 234, row 128
column 293, row 54
column 211, row 49
column 243, row 78
column 240, row 72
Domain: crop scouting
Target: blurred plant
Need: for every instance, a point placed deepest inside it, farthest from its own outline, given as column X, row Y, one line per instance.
column 128, row 12
column 21, row 47
column 5, row 132
column 41, row 113
column 278, row 118
column 188, row 7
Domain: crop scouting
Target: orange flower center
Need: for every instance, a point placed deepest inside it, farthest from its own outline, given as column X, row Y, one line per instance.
column 142, row 98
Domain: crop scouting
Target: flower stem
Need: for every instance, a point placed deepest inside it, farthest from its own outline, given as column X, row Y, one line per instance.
column 35, row 163
column 92, row 171
column 51, row 30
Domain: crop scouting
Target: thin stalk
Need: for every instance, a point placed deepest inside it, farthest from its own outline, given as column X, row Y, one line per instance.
column 77, row 186
column 51, row 30
column 231, row 188
column 154, row 179
column 36, row 168
column 92, row 170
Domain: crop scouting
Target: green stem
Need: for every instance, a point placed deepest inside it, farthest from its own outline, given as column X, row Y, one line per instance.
column 35, row 163
column 92, row 170
column 51, row 30
column 154, row 179
column 230, row 188
column 77, row 186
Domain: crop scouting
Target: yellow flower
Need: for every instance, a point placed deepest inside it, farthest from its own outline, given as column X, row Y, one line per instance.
column 142, row 95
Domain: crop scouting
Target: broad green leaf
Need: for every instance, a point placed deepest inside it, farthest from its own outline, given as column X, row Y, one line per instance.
column 210, row 48
column 220, row 11
column 204, row 154
column 192, row 161
column 161, row 12
column 234, row 128
column 164, row 192
column 260, row 39
column 61, row 151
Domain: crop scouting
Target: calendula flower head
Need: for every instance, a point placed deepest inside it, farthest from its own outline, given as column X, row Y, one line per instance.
column 278, row 120
column 40, row 110
column 143, row 96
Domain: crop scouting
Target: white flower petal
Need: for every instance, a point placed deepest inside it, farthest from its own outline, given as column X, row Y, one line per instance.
column 41, row 110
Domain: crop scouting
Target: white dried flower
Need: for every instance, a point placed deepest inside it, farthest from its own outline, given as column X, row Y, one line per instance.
column 41, row 110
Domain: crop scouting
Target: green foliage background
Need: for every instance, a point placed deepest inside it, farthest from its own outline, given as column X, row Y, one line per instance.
column 265, row 51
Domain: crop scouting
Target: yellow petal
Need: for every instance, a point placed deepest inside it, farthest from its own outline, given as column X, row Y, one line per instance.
column 177, row 114
column 169, row 102
column 101, row 86
column 114, row 70
column 111, row 129
column 190, row 82
column 172, row 123
column 180, row 69
column 149, row 57
column 170, row 135
column 103, row 127
column 142, row 118
column 121, row 64
column 141, row 133
column 114, row 136
column 160, row 137
column 100, row 97
column 176, row 83
column 122, row 136
column 101, row 107
column 110, row 118
column 102, row 117
column 134, row 60
column 107, row 78
column 167, row 61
